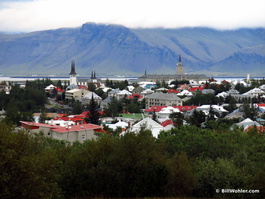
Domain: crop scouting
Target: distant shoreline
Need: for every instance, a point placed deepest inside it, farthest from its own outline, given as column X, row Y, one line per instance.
column 65, row 78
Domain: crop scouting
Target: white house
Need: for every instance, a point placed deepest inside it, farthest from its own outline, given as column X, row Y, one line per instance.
column 130, row 88
column 247, row 123
column 222, row 94
column 232, row 92
column 216, row 108
column 149, row 124
column 165, row 112
column 87, row 98
column 185, row 93
column 194, row 83
column 262, row 87
column 49, row 88
column 60, row 122
column 255, row 92
column 123, row 125
column 121, row 94
column 147, row 92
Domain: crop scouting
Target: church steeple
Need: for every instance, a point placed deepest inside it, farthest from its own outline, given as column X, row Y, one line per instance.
column 72, row 68
column 73, row 74
column 179, row 58
column 180, row 67
column 93, row 75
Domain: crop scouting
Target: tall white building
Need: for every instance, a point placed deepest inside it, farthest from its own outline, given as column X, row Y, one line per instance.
column 73, row 74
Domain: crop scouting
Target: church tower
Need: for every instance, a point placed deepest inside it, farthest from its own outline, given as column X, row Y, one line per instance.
column 93, row 77
column 73, row 74
column 180, row 67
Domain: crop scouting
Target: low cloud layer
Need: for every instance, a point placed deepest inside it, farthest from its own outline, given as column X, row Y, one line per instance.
column 32, row 15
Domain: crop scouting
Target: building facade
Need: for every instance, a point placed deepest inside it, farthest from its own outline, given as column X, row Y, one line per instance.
column 180, row 75
column 76, row 94
column 180, row 67
column 71, row 133
column 162, row 99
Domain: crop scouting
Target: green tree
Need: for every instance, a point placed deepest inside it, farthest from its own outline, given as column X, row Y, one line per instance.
column 231, row 104
column 77, row 108
column 27, row 170
column 132, row 105
column 101, row 93
column 113, row 108
column 177, row 119
column 93, row 114
column 59, row 84
column 154, row 117
column 199, row 99
column 91, row 87
column 43, row 116
column 107, row 83
column 216, row 174
column 249, row 110
column 197, row 118
column 181, row 179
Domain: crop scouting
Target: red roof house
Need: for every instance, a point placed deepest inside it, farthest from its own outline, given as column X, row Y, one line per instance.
column 70, row 133
column 194, row 89
column 172, row 91
column 134, row 96
column 159, row 108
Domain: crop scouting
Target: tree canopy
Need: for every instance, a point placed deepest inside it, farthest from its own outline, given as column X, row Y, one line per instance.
column 184, row 162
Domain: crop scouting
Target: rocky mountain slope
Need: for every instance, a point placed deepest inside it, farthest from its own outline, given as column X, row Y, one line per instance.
column 117, row 50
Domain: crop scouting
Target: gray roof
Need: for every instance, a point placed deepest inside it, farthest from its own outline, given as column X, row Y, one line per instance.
column 71, row 87
column 247, row 122
column 114, row 91
column 89, row 96
column 107, row 100
column 164, row 96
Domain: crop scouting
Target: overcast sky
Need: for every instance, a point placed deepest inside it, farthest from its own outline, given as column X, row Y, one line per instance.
column 32, row 15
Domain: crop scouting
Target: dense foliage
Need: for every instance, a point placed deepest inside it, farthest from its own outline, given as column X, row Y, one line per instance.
column 20, row 104
column 186, row 161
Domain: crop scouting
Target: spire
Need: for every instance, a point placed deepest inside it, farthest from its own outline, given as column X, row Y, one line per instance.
column 91, row 75
column 180, row 67
column 95, row 74
column 72, row 68
column 145, row 72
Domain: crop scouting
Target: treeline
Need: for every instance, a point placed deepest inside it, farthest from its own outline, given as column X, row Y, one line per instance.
column 184, row 162
column 117, row 84
column 21, row 103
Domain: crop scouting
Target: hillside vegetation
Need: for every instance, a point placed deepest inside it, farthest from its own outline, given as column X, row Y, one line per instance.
column 186, row 161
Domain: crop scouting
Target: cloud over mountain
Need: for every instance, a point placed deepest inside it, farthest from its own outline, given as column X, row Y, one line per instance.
column 117, row 50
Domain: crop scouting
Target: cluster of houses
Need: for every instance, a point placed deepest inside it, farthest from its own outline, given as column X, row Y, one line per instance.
column 163, row 104
column 159, row 101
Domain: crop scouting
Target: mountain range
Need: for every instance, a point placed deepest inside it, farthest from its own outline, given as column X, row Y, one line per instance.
column 117, row 50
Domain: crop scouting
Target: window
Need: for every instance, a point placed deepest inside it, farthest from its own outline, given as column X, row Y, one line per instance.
column 83, row 137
